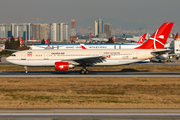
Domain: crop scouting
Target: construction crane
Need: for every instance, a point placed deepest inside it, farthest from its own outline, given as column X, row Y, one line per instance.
column 34, row 18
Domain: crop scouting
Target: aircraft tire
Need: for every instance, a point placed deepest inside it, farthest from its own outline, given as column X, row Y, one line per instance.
column 82, row 71
column 87, row 71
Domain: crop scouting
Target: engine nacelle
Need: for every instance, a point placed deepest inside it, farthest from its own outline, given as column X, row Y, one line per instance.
column 62, row 66
column 177, row 57
column 162, row 57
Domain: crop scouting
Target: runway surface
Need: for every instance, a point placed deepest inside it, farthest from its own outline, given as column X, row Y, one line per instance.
column 90, row 114
column 93, row 74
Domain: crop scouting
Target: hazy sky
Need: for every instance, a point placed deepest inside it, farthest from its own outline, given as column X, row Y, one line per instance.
column 136, row 11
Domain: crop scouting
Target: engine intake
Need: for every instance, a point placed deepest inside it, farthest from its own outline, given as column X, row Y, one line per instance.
column 63, row 66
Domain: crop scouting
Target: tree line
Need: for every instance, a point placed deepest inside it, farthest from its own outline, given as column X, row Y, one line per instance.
column 12, row 44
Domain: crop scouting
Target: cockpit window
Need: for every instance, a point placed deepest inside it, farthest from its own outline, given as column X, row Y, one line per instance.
column 13, row 54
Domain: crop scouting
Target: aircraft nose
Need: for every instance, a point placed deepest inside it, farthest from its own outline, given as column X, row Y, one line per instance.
column 8, row 58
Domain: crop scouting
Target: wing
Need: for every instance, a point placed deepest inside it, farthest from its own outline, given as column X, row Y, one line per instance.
column 86, row 60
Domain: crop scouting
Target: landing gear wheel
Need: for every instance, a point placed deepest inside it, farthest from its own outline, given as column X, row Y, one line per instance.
column 82, row 71
column 87, row 72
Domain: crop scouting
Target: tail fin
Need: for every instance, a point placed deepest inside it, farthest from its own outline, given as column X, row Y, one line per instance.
column 141, row 40
column 21, row 41
column 47, row 42
column 176, row 36
column 159, row 38
column 114, row 38
column 91, row 35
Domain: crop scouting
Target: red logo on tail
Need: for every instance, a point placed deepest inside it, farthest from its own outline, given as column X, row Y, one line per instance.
column 159, row 38
column 176, row 36
column 91, row 35
column 21, row 41
column 114, row 38
column 141, row 40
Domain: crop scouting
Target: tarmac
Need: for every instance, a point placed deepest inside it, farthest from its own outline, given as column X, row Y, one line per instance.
column 90, row 114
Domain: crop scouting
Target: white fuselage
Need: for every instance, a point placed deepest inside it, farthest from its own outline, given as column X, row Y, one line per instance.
column 99, row 39
column 49, row 57
column 88, row 46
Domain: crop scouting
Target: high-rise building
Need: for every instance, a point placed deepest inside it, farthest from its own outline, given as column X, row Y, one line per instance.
column 95, row 27
column 35, row 31
column 21, row 30
column 44, row 31
column 60, row 32
column 108, row 30
column 39, row 31
column 98, row 27
column 66, row 34
column 5, row 30
column 55, row 32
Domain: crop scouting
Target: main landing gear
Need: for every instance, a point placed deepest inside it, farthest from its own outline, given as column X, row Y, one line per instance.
column 26, row 70
column 84, row 70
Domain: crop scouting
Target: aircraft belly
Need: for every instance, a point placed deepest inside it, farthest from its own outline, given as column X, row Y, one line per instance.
column 34, row 62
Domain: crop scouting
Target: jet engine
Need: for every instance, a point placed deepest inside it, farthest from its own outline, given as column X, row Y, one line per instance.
column 177, row 57
column 62, row 66
column 162, row 57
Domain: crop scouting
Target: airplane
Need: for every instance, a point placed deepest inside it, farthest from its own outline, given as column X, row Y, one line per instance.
column 168, row 56
column 98, row 39
column 66, row 59
column 21, row 41
column 114, row 38
column 133, row 39
column 141, row 40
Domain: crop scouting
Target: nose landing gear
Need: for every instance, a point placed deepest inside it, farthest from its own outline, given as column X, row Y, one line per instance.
column 26, row 70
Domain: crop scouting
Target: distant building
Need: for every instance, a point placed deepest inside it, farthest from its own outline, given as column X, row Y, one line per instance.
column 5, row 30
column 39, row 31
column 44, row 31
column 21, row 30
column 59, row 32
column 102, row 35
column 98, row 27
column 55, row 32
column 108, row 30
column 66, row 34
column 95, row 27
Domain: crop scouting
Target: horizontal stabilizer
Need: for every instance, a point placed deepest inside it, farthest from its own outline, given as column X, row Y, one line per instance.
column 160, row 52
